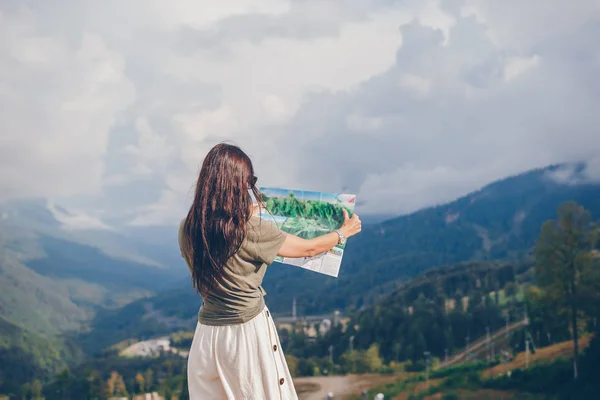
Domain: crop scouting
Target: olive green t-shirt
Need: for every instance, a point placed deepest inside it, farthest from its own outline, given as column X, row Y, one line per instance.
column 238, row 296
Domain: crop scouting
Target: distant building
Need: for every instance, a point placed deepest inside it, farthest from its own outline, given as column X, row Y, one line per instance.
column 148, row 348
column 324, row 326
column 294, row 310
column 148, row 396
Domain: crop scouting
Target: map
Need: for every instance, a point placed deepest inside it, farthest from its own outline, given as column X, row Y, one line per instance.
column 309, row 214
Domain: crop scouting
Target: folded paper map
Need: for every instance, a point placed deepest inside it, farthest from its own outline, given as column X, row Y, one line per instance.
column 308, row 215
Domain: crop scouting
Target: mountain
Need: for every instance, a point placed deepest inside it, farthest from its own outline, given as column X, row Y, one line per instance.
column 88, row 266
column 58, row 269
column 27, row 355
column 499, row 222
column 34, row 300
column 55, row 275
column 169, row 311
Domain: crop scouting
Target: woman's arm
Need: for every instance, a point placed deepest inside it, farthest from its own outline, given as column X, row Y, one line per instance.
column 296, row 247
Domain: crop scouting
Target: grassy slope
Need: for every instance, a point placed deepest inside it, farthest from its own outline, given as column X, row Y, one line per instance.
column 52, row 286
column 402, row 388
column 28, row 355
column 35, row 301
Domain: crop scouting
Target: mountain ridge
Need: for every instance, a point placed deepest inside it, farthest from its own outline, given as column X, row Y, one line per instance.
column 498, row 222
column 504, row 217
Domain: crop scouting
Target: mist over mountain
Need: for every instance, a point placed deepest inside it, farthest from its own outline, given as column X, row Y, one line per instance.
column 53, row 277
column 499, row 222
column 103, row 285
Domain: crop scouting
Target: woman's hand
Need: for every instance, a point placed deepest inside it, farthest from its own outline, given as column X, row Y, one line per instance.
column 351, row 226
column 296, row 247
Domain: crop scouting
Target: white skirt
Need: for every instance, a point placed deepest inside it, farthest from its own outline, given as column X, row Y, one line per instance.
column 239, row 362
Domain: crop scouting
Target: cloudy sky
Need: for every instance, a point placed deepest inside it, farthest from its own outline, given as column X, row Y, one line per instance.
column 109, row 106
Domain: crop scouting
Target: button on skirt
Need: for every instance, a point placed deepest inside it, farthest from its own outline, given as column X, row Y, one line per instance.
column 238, row 362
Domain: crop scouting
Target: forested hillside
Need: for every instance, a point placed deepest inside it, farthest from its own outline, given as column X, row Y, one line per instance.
column 53, row 285
column 435, row 313
column 26, row 356
column 500, row 221
column 450, row 312
column 162, row 314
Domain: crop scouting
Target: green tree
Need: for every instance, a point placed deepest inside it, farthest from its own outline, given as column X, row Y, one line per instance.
column 292, row 363
column 36, row 390
column 95, row 386
column 306, row 367
column 353, row 361
column 564, row 256
column 148, row 380
column 139, row 381
column 64, row 381
column 25, row 391
column 185, row 394
column 372, row 360
column 510, row 290
column 116, row 385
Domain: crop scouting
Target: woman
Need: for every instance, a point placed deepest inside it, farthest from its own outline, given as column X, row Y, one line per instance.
column 235, row 353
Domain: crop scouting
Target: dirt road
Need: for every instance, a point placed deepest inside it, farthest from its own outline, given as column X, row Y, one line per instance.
column 316, row 388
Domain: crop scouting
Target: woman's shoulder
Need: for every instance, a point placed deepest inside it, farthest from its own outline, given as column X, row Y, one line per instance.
column 183, row 244
column 263, row 239
column 260, row 228
column 180, row 229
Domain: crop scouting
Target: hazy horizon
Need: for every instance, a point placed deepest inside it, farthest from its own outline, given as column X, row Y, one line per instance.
column 108, row 108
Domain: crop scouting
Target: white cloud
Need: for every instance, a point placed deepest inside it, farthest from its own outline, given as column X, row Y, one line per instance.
column 76, row 219
column 275, row 109
column 58, row 101
column 404, row 103
column 410, row 188
column 415, row 84
column 356, row 122
column 151, row 155
column 197, row 14
column 517, row 66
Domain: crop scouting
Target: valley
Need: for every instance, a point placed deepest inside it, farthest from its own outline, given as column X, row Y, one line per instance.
column 433, row 282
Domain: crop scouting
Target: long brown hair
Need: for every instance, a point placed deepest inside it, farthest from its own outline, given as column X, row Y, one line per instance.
column 216, row 223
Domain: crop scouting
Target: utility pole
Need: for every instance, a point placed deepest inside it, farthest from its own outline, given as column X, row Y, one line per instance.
column 445, row 356
column 294, row 309
column 507, row 318
column 426, row 354
column 467, row 348
column 487, row 335
column 531, row 341
column 331, row 353
column 505, row 356
column 526, row 353
column 352, row 353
